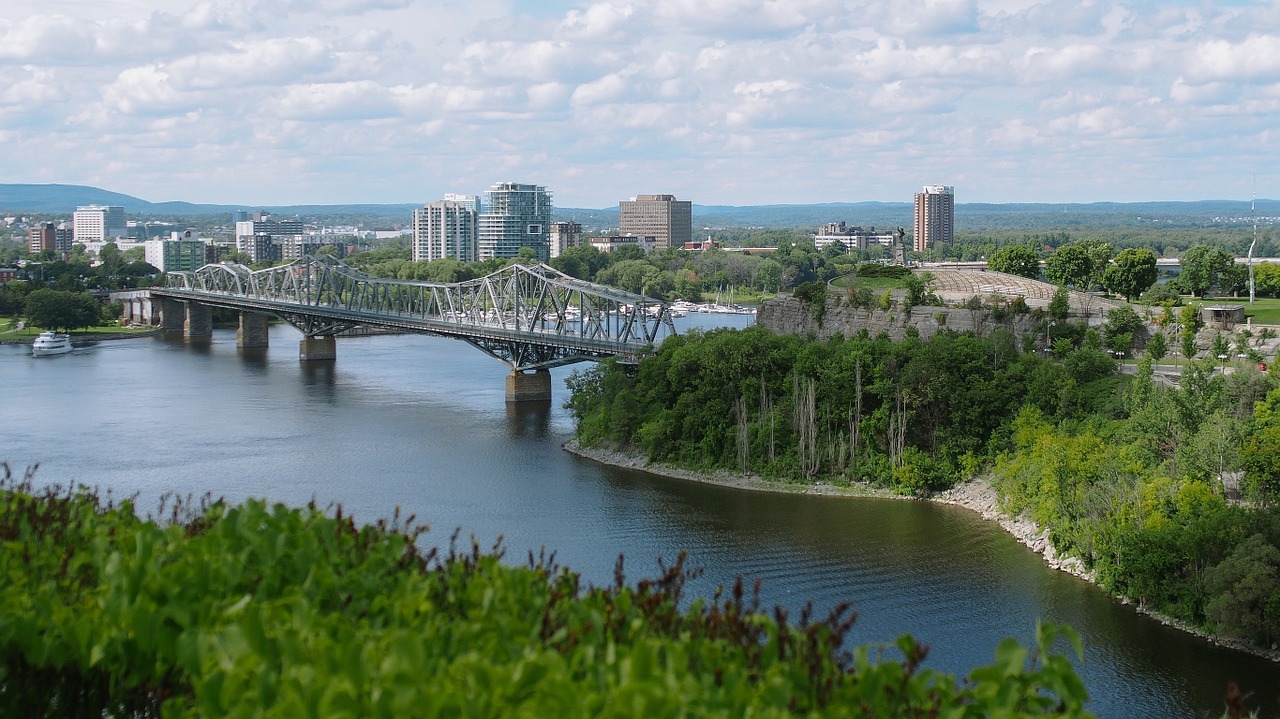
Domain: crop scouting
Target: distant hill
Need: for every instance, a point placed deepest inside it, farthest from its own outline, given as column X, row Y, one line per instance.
column 63, row 199
column 49, row 199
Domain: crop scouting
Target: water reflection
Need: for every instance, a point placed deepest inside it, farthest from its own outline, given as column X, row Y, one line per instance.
column 529, row 419
column 253, row 356
column 318, row 372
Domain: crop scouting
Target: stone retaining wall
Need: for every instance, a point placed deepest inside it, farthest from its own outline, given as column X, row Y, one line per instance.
column 788, row 315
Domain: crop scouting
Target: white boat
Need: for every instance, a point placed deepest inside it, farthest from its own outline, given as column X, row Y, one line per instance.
column 48, row 343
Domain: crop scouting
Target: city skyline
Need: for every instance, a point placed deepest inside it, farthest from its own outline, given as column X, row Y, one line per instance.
column 732, row 102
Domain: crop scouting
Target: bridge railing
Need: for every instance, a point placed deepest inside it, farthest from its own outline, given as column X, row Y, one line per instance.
column 527, row 299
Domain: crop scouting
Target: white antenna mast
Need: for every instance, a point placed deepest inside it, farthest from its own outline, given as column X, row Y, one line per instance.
column 1253, row 211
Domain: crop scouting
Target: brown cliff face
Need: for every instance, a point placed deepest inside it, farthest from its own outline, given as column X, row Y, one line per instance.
column 787, row 315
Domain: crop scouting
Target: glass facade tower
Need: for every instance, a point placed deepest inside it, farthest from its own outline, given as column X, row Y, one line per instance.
column 515, row 216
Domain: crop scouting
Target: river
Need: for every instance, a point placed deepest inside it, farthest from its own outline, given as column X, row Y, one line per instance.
column 420, row 423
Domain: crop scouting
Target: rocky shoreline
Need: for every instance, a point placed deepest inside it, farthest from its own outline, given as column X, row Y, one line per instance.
column 975, row 495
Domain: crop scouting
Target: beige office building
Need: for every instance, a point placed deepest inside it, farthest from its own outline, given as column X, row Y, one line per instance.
column 935, row 221
column 564, row 236
column 663, row 217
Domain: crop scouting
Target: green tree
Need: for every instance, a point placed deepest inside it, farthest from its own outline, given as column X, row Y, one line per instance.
column 62, row 310
column 1266, row 279
column 1261, row 455
column 1070, row 266
column 1189, row 347
column 1189, row 316
column 1099, row 255
column 1220, row 346
column 1245, row 591
column 1131, row 272
column 1158, row 346
column 1060, row 305
column 13, row 297
column 1019, row 260
column 1203, row 267
column 1122, row 325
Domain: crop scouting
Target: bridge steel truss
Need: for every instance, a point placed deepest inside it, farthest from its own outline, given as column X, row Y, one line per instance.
column 528, row 316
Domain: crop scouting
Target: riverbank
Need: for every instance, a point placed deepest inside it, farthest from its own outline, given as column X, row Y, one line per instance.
column 90, row 337
column 975, row 495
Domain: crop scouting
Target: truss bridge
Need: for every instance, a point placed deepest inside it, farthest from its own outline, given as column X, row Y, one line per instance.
column 532, row 317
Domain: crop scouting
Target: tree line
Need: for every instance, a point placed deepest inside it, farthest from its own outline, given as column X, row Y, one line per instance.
column 1132, row 272
column 667, row 274
column 1132, row 478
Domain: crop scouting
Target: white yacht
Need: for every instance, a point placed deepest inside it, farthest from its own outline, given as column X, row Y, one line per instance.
column 48, row 343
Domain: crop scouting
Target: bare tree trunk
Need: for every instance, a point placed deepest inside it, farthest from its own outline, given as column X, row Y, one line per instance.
column 766, row 411
column 855, row 422
column 898, row 429
column 804, row 418
column 743, row 435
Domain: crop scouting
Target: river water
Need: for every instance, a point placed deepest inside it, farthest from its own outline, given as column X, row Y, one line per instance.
column 420, row 423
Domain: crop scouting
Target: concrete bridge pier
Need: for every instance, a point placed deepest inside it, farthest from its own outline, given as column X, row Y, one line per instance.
column 199, row 324
column 252, row 331
column 173, row 315
column 318, row 347
column 524, row 386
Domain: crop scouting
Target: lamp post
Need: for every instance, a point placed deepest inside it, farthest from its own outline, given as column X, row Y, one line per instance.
column 1223, row 359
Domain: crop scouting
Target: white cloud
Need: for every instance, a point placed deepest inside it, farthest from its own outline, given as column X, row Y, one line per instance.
column 600, row 21
column 608, row 88
column 1257, row 57
column 336, row 101
column 752, row 98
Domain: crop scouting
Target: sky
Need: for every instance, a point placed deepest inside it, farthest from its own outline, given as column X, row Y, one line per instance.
column 737, row 102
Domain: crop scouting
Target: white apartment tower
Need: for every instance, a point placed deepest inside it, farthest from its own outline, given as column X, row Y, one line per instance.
column 98, row 223
column 448, row 228
column 515, row 216
column 935, row 217
column 663, row 217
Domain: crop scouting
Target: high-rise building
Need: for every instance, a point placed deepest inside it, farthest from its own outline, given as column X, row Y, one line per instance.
column 43, row 238
column 472, row 201
column 448, row 228
column 267, row 240
column 515, row 216
column 663, row 217
column 563, row 236
column 935, row 221
column 64, row 237
column 183, row 253
column 98, row 223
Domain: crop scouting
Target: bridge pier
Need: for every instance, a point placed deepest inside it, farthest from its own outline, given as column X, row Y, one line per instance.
column 199, row 324
column 252, row 331
column 532, row 386
column 318, row 347
column 173, row 315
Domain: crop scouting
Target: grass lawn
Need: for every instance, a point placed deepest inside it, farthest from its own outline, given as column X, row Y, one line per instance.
column 871, row 283
column 1264, row 310
column 8, row 333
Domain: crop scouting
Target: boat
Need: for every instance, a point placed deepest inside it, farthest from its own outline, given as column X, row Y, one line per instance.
column 48, row 343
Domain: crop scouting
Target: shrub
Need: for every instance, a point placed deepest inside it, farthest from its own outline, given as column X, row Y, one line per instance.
column 260, row 610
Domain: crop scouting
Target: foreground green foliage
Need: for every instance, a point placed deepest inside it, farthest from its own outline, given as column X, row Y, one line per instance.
column 265, row 611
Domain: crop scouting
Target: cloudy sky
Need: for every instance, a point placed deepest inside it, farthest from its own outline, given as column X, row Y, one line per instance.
column 719, row 101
